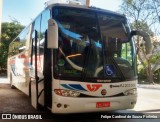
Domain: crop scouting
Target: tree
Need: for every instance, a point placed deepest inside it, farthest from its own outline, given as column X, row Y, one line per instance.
column 9, row 32
column 144, row 16
column 142, row 26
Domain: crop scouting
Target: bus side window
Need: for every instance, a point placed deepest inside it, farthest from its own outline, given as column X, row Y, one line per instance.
column 19, row 44
column 44, row 26
column 14, row 47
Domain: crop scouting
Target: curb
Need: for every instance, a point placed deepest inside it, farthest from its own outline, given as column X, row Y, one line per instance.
column 4, row 80
column 156, row 86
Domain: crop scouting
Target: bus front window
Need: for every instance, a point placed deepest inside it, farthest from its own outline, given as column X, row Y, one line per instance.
column 91, row 45
column 119, row 52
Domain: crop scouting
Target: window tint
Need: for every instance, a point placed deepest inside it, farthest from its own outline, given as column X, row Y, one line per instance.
column 44, row 26
column 40, row 26
column 36, row 28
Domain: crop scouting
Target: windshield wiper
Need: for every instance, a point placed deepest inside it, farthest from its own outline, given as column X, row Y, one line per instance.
column 86, row 52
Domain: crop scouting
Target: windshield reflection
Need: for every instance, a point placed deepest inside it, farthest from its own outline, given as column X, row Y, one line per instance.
column 92, row 45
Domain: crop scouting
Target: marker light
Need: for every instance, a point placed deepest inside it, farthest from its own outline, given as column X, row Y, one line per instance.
column 66, row 93
column 130, row 92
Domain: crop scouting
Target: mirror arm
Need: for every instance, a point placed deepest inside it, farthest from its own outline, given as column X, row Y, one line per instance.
column 146, row 37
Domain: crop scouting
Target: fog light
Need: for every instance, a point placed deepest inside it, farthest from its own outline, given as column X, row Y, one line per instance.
column 104, row 92
column 59, row 105
column 65, row 105
column 133, row 103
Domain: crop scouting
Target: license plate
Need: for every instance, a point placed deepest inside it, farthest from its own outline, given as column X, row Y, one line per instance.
column 102, row 104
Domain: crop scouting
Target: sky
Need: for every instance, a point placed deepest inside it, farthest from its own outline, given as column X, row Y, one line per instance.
column 24, row 11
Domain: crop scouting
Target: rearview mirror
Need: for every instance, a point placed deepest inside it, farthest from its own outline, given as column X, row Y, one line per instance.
column 146, row 37
column 52, row 34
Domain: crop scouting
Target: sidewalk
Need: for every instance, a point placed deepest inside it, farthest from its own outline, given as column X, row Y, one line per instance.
column 149, row 86
column 4, row 79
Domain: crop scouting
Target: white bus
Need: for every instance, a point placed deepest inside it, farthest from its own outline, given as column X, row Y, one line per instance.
column 74, row 58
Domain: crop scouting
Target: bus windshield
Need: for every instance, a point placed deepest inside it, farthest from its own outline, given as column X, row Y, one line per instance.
column 93, row 45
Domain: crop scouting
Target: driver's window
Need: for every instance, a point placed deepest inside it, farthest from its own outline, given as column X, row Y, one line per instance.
column 126, row 52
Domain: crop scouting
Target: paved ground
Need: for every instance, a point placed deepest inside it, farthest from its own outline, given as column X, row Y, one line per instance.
column 148, row 100
column 14, row 101
column 149, row 86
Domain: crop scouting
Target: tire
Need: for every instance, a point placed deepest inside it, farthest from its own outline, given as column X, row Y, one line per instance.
column 29, row 89
column 11, row 82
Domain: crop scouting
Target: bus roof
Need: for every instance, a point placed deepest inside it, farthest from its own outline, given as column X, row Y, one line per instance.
column 86, row 7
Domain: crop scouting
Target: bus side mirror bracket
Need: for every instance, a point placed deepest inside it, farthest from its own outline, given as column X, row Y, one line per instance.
column 52, row 34
column 146, row 37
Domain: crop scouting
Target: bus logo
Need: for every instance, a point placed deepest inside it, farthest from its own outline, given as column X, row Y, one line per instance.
column 93, row 87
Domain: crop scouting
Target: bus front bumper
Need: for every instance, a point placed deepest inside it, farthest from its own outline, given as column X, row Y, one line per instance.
column 62, row 104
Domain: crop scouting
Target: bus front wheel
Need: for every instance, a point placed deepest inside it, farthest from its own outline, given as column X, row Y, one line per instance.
column 11, row 82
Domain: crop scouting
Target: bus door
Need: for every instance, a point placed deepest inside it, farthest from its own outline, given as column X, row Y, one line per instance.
column 36, row 70
column 41, row 71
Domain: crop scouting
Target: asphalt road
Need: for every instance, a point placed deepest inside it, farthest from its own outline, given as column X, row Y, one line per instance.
column 148, row 100
column 15, row 102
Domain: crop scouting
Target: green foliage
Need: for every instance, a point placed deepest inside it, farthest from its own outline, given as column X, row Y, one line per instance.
column 141, row 73
column 155, row 57
column 14, row 48
column 144, row 16
column 156, row 76
column 9, row 32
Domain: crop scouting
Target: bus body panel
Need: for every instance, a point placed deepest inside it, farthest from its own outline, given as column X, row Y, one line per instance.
column 94, row 101
column 79, row 105
column 94, row 89
column 19, row 71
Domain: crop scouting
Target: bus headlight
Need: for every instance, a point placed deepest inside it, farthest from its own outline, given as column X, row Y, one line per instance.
column 130, row 92
column 66, row 93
